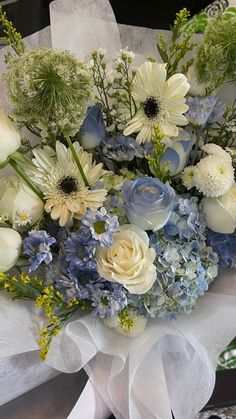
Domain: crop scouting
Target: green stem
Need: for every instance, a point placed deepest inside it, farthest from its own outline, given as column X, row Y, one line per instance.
column 198, row 136
column 26, row 178
column 74, row 154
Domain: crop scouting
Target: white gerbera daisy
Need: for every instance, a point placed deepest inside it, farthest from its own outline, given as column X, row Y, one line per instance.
column 58, row 177
column 160, row 102
column 213, row 176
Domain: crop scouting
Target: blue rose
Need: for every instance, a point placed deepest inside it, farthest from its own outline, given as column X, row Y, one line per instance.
column 148, row 202
column 93, row 130
column 177, row 153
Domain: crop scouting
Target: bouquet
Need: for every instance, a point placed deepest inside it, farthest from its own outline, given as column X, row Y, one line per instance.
column 126, row 206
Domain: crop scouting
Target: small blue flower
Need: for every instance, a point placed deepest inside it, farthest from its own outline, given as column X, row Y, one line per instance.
column 122, row 148
column 108, row 302
column 80, row 251
column 93, row 130
column 204, row 109
column 148, row 202
column 101, row 225
column 37, row 247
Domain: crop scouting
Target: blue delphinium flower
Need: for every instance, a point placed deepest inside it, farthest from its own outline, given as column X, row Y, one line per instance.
column 101, row 226
column 108, row 302
column 80, row 251
column 37, row 247
column 225, row 246
column 121, row 148
column 204, row 109
column 93, row 130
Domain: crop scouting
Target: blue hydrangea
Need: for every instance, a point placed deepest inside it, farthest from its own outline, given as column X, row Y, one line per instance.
column 38, row 247
column 122, row 148
column 101, row 226
column 186, row 265
column 80, row 251
column 225, row 246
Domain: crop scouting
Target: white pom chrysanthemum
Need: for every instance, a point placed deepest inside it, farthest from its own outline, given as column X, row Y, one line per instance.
column 213, row 176
column 139, row 324
column 215, row 150
column 188, row 177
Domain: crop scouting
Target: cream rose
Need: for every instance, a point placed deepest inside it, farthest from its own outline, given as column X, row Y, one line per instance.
column 22, row 206
column 220, row 213
column 9, row 137
column 10, row 248
column 129, row 260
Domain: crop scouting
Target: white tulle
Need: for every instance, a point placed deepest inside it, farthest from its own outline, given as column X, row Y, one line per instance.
column 171, row 366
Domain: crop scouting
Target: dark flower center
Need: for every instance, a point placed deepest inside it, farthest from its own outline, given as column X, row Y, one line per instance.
column 151, row 107
column 68, row 185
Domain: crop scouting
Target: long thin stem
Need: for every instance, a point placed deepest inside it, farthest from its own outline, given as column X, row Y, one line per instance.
column 198, row 137
column 74, row 154
column 26, row 178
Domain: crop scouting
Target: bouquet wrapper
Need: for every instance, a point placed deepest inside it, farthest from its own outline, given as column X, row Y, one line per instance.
column 171, row 366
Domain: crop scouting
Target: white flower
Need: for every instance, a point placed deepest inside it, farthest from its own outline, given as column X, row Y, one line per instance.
column 188, row 177
column 196, row 89
column 129, row 260
column 220, row 213
column 10, row 248
column 9, row 137
column 213, row 176
column 18, row 201
column 59, row 178
column 160, row 102
column 138, row 324
column 216, row 150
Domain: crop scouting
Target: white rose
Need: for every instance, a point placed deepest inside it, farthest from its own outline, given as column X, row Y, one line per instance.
column 9, row 137
column 10, row 248
column 22, row 206
column 129, row 260
column 220, row 213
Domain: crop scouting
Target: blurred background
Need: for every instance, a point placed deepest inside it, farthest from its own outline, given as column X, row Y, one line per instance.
column 30, row 16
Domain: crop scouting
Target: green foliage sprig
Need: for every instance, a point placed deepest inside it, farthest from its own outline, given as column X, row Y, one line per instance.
column 11, row 37
column 159, row 169
column 181, row 44
column 215, row 61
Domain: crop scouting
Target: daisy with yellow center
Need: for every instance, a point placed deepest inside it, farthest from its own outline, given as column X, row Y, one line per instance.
column 60, row 180
column 160, row 102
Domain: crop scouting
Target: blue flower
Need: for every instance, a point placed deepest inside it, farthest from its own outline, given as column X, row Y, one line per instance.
column 121, row 148
column 101, row 225
column 148, row 202
column 204, row 109
column 93, row 130
column 177, row 153
column 80, row 251
column 37, row 247
column 108, row 302
column 225, row 246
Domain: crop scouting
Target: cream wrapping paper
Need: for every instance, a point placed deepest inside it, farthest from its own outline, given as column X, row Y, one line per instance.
column 171, row 366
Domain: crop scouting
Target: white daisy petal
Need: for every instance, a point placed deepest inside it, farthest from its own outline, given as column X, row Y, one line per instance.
column 161, row 103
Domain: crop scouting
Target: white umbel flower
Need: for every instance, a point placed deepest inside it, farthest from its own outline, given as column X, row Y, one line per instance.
column 160, row 102
column 214, row 176
column 58, row 177
column 188, row 177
